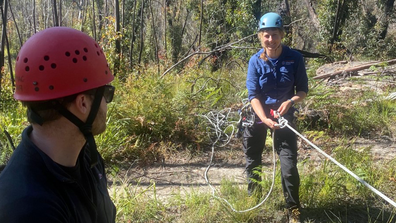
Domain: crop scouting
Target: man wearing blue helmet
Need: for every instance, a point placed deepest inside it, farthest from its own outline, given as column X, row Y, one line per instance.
column 276, row 80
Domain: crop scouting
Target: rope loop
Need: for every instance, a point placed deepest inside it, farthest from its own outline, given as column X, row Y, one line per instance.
column 282, row 122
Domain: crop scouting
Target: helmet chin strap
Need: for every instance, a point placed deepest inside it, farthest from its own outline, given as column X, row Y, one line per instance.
column 86, row 128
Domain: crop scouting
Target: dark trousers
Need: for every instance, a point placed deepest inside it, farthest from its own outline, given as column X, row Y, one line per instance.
column 286, row 148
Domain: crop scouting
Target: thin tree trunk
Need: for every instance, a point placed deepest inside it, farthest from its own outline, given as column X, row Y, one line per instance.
column 16, row 25
column 155, row 37
column 335, row 27
column 54, row 9
column 99, row 6
column 9, row 61
column 3, row 36
column 60, row 13
column 118, row 39
column 2, row 45
column 132, row 38
column 34, row 16
column 123, row 13
column 200, row 24
column 93, row 20
column 141, row 32
column 165, row 12
column 84, row 15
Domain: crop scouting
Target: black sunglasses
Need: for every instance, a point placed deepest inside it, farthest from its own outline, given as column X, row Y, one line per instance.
column 108, row 93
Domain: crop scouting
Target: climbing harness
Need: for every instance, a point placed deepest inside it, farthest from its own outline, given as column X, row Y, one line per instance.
column 246, row 118
column 219, row 123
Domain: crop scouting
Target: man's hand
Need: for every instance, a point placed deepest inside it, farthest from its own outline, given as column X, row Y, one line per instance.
column 270, row 123
column 283, row 108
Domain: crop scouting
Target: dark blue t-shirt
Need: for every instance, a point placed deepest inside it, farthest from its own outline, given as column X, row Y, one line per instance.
column 33, row 188
column 275, row 82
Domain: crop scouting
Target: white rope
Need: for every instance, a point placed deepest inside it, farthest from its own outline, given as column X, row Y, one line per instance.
column 284, row 123
column 218, row 120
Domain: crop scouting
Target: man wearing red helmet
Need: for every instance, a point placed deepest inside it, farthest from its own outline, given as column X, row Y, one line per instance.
column 56, row 174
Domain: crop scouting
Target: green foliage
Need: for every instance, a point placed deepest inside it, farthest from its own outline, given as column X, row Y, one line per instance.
column 12, row 120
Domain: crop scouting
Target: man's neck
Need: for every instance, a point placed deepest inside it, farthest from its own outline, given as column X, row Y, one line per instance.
column 61, row 140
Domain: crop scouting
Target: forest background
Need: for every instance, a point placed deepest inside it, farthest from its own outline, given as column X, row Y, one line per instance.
column 177, row 59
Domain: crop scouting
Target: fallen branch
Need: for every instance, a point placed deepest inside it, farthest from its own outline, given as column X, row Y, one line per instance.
column 353, row 69
column 218, row 49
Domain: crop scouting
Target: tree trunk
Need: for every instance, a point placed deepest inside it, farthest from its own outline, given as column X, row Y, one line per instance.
column 312, row 14
column 200, row 24
column 16, row 25
column 60, row 13
column 99, row 6
column 155, row 36
column 54, row 8
column 34, row 16
column 384, row 20
column 118, row 39
column 165, row 12
column 93, row 20
column 335, row 27
column 257, row 9
column 132, row 37
column 141, row 32
column 3, row 36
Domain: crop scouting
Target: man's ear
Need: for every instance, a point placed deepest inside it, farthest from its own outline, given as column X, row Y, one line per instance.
column 82, row 103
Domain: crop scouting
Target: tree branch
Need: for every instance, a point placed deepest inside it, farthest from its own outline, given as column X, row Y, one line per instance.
column 224, row 47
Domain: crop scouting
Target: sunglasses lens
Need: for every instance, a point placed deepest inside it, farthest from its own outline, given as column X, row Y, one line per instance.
column 108, row 93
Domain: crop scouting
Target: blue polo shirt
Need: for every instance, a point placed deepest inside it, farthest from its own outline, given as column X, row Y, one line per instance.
column 275, row 81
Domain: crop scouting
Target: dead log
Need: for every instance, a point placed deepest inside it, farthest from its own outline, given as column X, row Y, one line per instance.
column 354, row 69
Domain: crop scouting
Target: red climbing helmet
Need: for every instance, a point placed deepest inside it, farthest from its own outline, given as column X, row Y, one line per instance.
column 59, row 62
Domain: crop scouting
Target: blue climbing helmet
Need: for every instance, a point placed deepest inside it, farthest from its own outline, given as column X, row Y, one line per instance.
column 270, row 20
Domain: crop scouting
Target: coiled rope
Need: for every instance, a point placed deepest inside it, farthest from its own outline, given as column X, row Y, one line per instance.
column 220, row 124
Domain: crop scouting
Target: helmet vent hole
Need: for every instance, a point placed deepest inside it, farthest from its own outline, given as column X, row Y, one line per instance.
column 51, row 87
column 74, row 60
column 106, row 72
column 84, row 58
column 46, row 58
column 97, row 52
column 96, row 45
column 41, row 67
column 67, row 54
column 85, row 80
column 25, row 60
column 86, row 50
column 77, row 52
column 27, row 68
column 53, row 65
column 36, row 88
